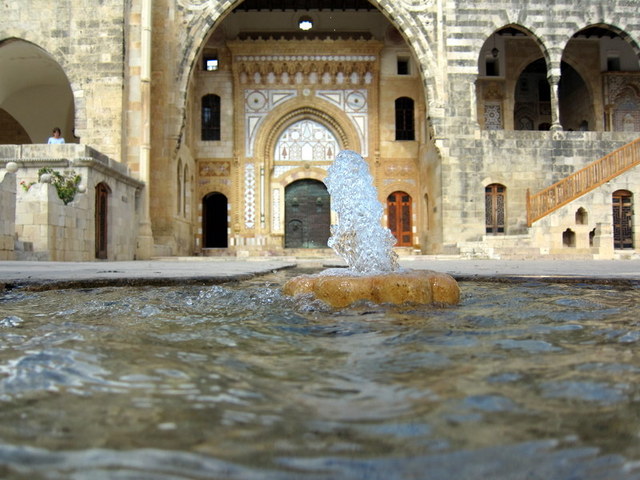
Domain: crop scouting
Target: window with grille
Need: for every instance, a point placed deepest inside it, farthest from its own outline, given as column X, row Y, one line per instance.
column 405, row 129
column 211, row 117
column 622, row 202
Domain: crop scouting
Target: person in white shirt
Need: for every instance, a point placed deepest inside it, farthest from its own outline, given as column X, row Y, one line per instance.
column 57, row 136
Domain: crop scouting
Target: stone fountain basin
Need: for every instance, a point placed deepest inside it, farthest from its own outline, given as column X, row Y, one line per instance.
column 340, row 289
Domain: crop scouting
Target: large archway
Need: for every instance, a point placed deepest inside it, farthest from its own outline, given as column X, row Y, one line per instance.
column 35, row 94
column 512, row 88
column 274, row 79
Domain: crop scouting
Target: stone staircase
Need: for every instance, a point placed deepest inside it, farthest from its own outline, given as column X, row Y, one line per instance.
column 497, row 247
column 521, row 247
column 579, row 183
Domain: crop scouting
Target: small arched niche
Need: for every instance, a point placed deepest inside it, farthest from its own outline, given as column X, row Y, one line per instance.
column 582, row 217
column 569, row 238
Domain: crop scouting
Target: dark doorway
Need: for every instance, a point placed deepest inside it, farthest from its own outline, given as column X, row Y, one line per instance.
column 307, row 214
column 102, row 220
column 399, row 214
column 214, row 221
column 622, row 219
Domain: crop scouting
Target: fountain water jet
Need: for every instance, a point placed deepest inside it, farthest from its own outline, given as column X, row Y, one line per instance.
column 359, row 238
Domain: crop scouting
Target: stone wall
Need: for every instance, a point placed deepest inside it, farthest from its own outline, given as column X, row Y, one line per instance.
column 46, row 228
column 595, row 218
column 86, row 38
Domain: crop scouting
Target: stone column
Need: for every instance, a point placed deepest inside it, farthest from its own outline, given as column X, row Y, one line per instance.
column 554, row 80
column 145, row 235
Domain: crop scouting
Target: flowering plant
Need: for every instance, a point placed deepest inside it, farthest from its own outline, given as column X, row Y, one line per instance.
column 26, row 186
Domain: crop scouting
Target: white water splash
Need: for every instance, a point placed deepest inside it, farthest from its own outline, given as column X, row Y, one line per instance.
column 359, row 238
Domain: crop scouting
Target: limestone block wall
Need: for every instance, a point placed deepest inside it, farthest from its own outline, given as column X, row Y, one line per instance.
column 473, row 158
column 40, row 223
column 7, row 215
column 59, row 232
column 86, row 38
column 46, row 229
column 598, row 220
column 519, row 160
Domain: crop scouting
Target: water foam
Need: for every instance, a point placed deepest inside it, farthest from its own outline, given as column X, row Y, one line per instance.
column 358, row 237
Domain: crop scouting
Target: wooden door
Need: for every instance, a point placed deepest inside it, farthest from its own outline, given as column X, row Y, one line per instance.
column 307, row 214
column 495, row 208
column 102, row 221
column 399, row 217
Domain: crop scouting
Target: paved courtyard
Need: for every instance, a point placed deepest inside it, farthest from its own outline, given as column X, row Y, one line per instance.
column 48, row 275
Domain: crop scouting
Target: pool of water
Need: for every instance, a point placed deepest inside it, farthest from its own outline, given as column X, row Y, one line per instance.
column 520, row 381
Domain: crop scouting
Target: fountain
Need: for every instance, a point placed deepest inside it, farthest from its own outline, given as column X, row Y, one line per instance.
column 373, row 272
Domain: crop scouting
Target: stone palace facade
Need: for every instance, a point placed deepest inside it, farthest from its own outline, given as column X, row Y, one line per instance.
column 496, row 129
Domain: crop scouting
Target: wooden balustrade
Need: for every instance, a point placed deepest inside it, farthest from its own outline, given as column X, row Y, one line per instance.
column 584, row 180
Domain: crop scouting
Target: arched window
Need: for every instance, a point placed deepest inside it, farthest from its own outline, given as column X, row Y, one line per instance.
column 211, row 117
column 495, row 208
column 185, row 191
column 405, row 129
column 179, row 187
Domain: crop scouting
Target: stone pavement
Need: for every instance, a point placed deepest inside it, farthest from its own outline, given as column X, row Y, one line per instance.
column 212, row 270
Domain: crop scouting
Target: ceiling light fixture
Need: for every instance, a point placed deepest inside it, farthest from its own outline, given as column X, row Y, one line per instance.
column 305, row 23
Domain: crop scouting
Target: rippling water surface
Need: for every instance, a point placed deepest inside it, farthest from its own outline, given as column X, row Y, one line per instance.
column 520, row 381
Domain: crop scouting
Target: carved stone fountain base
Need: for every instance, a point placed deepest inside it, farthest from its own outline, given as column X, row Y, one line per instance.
column 410, row 286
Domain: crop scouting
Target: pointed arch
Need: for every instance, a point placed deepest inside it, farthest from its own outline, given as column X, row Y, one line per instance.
column 282, row 118
column 507, row 98
column 204, row 19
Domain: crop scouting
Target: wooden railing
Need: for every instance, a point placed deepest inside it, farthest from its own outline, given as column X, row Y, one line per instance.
column 583, row 181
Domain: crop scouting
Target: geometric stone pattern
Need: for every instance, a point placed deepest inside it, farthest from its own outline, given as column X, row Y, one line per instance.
column 249, row 196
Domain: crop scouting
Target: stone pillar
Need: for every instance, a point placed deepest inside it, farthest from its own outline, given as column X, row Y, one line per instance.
column 554, row 80
column 145, row 235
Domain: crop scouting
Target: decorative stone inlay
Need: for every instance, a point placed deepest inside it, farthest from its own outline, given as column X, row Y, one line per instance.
column 249, row 195
column 400, row 170
column 355, row 104
column 306, row 58
column 493, row 116
column 308, row 141
column 214, row 169
column 258, row 103
column 275, row 210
